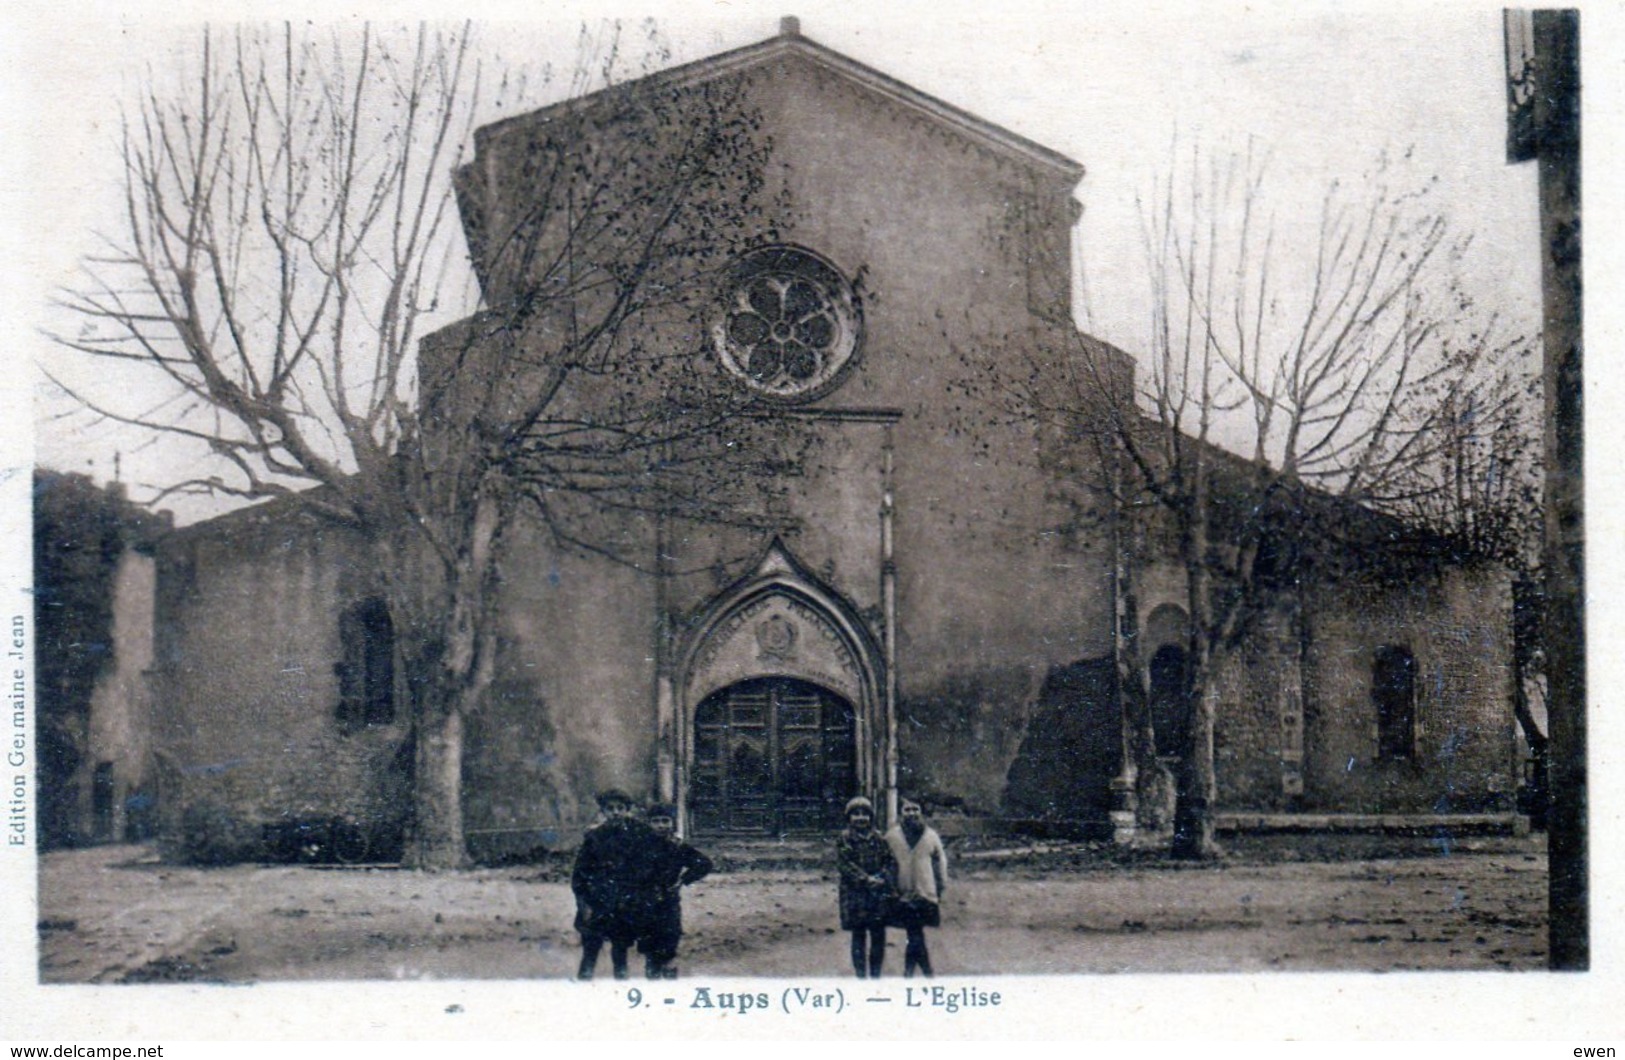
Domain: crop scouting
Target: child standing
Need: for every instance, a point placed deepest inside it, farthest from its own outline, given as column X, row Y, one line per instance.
column 922, row 877
column 864, row 863
column 608, row 869
column 673, row 865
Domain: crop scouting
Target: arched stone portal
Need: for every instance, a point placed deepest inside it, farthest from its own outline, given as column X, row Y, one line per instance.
column 780, row 706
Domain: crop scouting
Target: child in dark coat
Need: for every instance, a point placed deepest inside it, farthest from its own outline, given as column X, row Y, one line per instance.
column 609, row 883
column 673, row 865
column 865, row 866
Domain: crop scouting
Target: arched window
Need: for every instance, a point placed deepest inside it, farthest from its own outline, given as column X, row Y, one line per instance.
column 1170, row 713
column 367, row 670
column 1393, row 693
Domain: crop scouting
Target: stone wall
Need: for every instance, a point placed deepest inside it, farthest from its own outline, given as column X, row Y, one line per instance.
column 1457, row 623
column 1295, row 720
column 572, row 710
column 1259, row 685
column 245, row 720
column 118, row 732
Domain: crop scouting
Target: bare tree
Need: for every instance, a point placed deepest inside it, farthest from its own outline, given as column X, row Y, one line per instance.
column 1478, row 496
column 1298, row 381
column 288, row 225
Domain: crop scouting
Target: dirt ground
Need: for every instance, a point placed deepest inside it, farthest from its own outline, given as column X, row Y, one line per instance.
column 116, row 914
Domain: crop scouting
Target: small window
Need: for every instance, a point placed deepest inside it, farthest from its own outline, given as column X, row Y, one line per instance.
column 367, row 670
column 1170, row 707
column 1393, row 692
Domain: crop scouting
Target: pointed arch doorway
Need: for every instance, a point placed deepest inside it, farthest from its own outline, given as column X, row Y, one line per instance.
column 772, row 756
column 780, row 709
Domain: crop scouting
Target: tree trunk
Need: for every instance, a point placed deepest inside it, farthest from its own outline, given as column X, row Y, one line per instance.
column 1198, row 787
column 1527, row 623
column 453, row 666
column 1153, row 786
column 437, row 840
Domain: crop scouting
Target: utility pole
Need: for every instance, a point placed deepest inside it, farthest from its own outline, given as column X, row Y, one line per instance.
column 1543, row 124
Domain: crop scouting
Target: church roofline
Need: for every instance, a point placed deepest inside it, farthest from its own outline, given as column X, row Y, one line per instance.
column 256, row 517
column 790, row 42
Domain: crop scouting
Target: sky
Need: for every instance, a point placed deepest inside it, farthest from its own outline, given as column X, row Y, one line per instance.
column 1321, row 89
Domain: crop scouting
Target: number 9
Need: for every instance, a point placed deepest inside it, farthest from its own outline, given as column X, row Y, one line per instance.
column 634, row 997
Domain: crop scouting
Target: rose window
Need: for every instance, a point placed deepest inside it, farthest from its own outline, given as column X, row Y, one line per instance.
column 790, row 324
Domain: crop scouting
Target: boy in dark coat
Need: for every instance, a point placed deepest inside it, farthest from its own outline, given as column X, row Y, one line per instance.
column 865, row 866
column 673, row 864
column 609, row 883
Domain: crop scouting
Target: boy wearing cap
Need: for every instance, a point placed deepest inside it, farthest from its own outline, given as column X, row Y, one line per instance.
column 607, row 880
column 672, row 865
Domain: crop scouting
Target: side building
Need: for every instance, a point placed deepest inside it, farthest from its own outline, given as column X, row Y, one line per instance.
column 94, row 583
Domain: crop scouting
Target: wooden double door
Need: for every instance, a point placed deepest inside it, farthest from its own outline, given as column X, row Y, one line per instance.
column 772, row 756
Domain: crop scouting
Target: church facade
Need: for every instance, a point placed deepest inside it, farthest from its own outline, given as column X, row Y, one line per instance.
column 924, row 614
